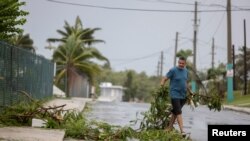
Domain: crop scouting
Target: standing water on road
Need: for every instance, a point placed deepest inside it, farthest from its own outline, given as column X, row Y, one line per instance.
column 117, row 113
column 195, row 121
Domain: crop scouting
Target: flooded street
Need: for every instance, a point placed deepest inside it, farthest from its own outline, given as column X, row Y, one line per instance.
column 117, row 113
column 195, row 121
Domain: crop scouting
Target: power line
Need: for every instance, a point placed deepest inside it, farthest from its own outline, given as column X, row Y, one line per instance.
column 184, row 3
column 217, row 28
column 169, row 2
column 142, row 10
column 131, row 60
column 137, row 59
column 191, row 4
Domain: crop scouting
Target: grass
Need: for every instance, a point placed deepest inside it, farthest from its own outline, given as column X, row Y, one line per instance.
column 239, row 100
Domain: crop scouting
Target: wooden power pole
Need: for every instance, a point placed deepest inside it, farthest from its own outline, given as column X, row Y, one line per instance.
column 194, row 49
column 176, row 46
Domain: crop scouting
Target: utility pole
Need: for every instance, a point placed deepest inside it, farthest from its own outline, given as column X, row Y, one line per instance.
column 194, row 51
column 230, row 96
column 213, row 53
column 176, row 46
column 158, row 68
column 161, row 64
column 233, row 54
column 245, row 59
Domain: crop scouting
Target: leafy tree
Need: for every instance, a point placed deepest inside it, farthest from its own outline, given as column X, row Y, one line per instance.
column 239, row 67
column 23, row 41
column 214, row 73
column 10, row 18
column 145, row 85
column 184, row 53
column 130, row 87
column 141, row 85
column 202, row 75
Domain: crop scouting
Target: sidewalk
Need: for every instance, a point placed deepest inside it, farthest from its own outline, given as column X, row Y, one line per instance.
column 237, row 109
column 30, row 134
column 41, row 134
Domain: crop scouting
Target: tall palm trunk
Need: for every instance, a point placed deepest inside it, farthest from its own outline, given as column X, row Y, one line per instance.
column 70, row 81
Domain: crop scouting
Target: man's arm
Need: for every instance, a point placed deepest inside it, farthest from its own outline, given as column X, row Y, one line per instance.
column 163, row 80
column 189, row 90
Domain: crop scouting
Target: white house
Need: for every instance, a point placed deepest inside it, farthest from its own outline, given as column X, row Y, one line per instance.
column 110, row 93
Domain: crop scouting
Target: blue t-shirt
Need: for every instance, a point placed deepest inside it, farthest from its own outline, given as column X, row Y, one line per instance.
column 178, row 82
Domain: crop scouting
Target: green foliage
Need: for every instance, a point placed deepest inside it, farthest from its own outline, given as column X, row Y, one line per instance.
column 10, row 17
column 74, row 56
column 19, row 114
column 51, row 123
column 159, row 135
column 23, row 41
column 130, row 87
column 85, row 34
column 239, row 99
column 139, row 88
column 158, row 115
column 77, row 126
column 214, row 73
column 213, row 100
column 184, row 53
column 239, row 69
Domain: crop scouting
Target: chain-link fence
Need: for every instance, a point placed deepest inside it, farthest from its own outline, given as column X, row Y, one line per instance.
column 21, row 70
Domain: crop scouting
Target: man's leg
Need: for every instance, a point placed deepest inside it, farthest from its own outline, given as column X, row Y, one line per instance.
column 175, row 103
column 179, row 117
column 180, row 122
column 177, row 113
column 171, row 122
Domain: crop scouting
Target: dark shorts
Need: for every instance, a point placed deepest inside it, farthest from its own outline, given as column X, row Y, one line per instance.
column 177, row 105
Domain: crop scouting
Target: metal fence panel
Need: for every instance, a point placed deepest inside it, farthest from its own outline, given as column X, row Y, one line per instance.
column 21, row 70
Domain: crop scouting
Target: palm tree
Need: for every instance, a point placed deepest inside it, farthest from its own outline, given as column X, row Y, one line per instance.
column 184, row 53
column 73, row 57
column 24, row 41
column 86, row 34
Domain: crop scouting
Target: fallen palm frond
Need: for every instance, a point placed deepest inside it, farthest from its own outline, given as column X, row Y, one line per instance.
column 77, row 126
column 23, row 112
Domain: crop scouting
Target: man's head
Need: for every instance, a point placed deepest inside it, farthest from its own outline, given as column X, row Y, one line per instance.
column 182, row 62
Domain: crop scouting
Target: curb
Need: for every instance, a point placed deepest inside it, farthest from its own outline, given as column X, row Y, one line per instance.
column 237, row 109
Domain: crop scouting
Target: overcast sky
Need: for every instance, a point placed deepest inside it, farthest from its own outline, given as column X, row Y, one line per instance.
column 136, row 31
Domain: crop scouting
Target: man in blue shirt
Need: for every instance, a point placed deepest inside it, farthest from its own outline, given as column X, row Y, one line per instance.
column 178, row 88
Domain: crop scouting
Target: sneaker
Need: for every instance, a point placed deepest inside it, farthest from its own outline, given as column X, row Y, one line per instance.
column 183, row 134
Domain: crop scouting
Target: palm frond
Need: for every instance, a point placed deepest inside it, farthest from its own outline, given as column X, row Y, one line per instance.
column 62, row 33
column 60, row 53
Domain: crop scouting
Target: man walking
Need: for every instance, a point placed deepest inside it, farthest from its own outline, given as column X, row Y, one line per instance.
column 178, row 88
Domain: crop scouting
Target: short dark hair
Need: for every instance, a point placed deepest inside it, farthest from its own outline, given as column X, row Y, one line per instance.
column 182, row 58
